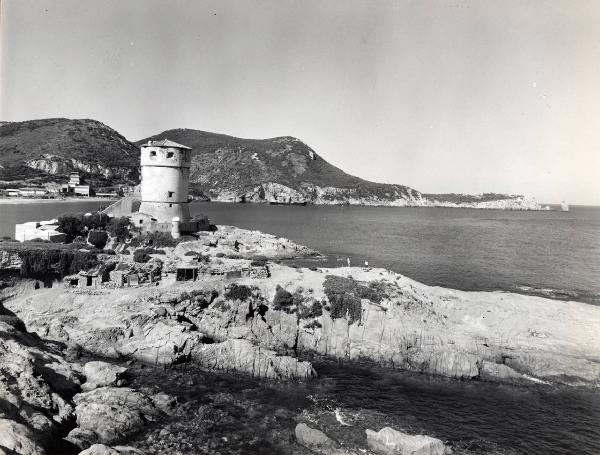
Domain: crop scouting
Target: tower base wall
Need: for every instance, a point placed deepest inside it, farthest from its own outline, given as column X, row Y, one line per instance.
column 166, row 211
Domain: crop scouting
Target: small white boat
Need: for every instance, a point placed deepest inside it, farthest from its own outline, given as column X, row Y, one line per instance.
column 564, row 206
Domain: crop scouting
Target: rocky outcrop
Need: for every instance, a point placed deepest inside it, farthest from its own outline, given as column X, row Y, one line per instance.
column 101, row 449
column 9, row 260
column 18, row 439
column 314, row 439
column 108, row 414
column 53, row 164
column 391, row 196
column 388, row 441
column 243, row 356
column 233, row 241
column 397, row 322
column 102, row 374
column 35, row 386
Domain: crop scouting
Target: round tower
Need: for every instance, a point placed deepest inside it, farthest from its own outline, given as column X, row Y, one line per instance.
column 165, row 180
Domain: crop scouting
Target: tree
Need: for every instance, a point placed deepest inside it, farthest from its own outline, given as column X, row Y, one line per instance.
column 71, row 225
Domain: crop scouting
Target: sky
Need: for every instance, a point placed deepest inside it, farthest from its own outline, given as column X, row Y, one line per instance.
column 443, row 96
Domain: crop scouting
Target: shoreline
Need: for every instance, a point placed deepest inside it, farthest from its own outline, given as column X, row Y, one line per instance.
column 24, row 200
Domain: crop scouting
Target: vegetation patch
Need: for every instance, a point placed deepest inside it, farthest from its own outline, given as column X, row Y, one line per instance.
column 238, row 292
column 259, row 261
column 345, row 296
column 154, row 239
column 282, row 299
column 36, row 263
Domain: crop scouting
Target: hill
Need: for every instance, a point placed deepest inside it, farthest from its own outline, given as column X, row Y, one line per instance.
column 281, row 168
column 224, row 168
column 38, row 151
column 286, row 169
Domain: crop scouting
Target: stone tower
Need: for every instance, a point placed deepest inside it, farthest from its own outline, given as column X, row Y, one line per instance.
column 165, row 180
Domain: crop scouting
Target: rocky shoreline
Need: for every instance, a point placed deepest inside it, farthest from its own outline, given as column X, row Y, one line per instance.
column 266, row 328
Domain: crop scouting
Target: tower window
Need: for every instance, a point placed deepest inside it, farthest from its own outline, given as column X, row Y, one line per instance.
column 153, row 153
column 170, row 154
column 171, row 193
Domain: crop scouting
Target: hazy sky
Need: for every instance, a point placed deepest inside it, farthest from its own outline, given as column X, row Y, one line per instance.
column 443, row 96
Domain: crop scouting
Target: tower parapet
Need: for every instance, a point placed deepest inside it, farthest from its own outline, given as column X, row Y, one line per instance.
column 165, row 180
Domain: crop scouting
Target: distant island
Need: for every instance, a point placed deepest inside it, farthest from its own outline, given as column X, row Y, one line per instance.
column 281, row 170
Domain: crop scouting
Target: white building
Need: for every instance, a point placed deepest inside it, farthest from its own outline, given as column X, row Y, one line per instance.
column 39, row 230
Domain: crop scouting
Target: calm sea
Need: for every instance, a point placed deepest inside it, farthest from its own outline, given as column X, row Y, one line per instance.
column 554, row 254
column 550, row 253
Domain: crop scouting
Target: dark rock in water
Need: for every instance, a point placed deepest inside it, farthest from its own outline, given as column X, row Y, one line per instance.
column 314, row 439
column 388, row 441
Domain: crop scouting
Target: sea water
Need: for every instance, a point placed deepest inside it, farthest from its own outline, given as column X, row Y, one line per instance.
column 550, row 253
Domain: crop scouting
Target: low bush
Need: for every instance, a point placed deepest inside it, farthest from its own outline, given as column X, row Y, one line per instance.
column 312, row 310
column 259, row 261
column 282, row 298
column 191, row 253
column 313, row 325
column 98, row 239
column 38, row 263
column 155, row 239
column 119, row 228
column 141, row 256
column 344, row 297
column 220, row 255
column 238, row 292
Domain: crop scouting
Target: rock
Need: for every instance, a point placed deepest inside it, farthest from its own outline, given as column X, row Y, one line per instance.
column 101, row 449
column 33, row 380
column 314, row 439
column 243, row 356
column 113, row 413
column 82, row 438
column 18, row 438
column 101, row 374
column 391, row 442
column 164, row 402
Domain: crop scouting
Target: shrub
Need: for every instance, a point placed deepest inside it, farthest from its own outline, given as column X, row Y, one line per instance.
column 220, row 255
column 282, row 299
column 314, row 310
column 344, row 297
column 313, row 325
column 96, row 220
column 42, row 263
column 98, row 238
column 109, row 251
column 125, row 251
column 191, row 253
column 259, row 261
column 119, row 228
column 155, row 239
column 71, row 225
column 238, row 292
column 141, row 256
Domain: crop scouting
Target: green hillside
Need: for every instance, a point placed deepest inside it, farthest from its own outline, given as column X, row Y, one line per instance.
column 36, row 151
column 223, row 162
